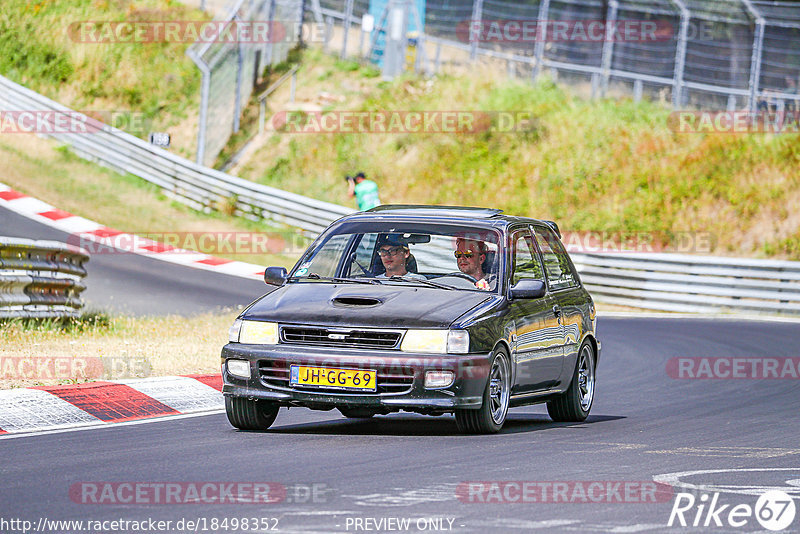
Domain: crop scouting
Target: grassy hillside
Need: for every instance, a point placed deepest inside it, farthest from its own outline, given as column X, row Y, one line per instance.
column 609, row 165
column 157, row 80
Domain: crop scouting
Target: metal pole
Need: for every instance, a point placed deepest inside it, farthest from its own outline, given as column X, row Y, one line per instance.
column 348, row 12
column 475, row 22
column 239, row 74
column 300, row 25
column 608, row 45
column 270, row 16
column 205, row 91
column 541, row 37
column 755, row 61
column 680, row 55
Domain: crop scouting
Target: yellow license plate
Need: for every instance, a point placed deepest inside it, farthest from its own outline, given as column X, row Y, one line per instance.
column 325, row 377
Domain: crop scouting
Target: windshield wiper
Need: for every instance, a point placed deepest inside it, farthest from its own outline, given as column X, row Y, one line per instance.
column 315, row 276
column 397, row 278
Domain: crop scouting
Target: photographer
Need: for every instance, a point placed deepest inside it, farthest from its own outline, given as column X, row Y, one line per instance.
column 365, row 191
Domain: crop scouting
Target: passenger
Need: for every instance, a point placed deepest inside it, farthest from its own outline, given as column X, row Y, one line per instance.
column 470, row 255
column 395, row 256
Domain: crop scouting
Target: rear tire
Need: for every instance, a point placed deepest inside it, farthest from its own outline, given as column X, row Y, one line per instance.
column 248, row 414
column 489, row 418
column 573, row 405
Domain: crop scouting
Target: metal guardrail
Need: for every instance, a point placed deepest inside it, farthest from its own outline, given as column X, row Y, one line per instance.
column 200, row 187
column 693, row 284
column 667, row 282
column 40, row 278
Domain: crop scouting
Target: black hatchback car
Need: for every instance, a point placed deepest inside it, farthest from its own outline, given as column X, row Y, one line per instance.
column 427, row 309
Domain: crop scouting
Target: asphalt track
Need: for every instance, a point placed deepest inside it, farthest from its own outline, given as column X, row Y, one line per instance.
column 643, row 424
column 138, row 285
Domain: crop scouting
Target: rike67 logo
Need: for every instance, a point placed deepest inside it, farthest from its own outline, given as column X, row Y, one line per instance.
column 774, row 510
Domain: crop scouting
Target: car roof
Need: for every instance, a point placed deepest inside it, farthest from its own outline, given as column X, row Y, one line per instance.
column 462, row 214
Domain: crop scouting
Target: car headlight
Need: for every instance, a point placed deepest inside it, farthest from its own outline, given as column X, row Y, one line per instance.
column 436, row 341
column 258, row 333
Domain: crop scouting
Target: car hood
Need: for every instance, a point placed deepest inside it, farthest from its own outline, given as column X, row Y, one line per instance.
column 392, row 306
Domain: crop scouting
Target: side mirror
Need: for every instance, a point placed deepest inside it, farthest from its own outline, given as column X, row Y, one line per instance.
column 275, row 276
column 527, row 289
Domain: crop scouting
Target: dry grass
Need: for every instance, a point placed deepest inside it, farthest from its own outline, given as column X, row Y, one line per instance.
column 162, row 346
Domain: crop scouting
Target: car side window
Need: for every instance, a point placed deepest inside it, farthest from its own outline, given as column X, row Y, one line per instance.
column 556, row 262
column 525, row 264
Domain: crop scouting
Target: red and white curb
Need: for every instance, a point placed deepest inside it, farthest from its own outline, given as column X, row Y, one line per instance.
column 107, row 403
column 89, row 230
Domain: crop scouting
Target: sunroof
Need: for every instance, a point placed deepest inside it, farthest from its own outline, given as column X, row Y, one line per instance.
column 445, row 211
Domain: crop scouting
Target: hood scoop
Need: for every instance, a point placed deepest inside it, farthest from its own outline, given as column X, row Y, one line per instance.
column 355, row 301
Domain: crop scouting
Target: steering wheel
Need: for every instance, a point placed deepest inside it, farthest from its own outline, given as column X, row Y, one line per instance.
column 459, row 274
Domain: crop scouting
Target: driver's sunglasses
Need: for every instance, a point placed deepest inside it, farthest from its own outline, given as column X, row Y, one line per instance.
column 467, row 254
column 389, row 251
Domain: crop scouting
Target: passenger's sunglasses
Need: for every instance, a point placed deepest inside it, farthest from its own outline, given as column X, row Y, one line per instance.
column 458, row 254
column 389, row 251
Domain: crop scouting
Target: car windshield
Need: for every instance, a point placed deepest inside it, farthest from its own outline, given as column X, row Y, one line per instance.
column 433, row 255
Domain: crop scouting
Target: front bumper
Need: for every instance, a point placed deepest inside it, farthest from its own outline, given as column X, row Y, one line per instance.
column 401, row 378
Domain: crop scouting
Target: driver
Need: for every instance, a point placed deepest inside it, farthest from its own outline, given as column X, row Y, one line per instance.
column 395, row 257
column 470, row 255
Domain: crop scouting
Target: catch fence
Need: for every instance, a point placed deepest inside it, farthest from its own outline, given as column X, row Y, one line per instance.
column 708, row 54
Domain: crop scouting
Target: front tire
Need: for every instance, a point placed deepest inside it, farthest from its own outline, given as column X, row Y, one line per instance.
column 574, row 405
column 250, row 414
column 489, row 418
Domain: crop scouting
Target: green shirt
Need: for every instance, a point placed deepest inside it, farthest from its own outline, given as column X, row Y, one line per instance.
column 367, row 195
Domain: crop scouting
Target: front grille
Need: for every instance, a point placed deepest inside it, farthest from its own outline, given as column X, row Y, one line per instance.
column 276, row 373
column 340, row 337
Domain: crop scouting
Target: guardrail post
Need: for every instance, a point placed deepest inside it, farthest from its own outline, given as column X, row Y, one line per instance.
column 680, row 55
column 541, row 37
column 475, row 22
column 348, row 13
column 608, row 45
column 637, row 90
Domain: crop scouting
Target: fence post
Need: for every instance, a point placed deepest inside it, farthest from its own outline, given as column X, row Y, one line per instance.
column 755, row 61
column 541, row 37
column 475, row 22
column 608, row 45
column 239, row 75
column 680, row 56
column 205, row 90
column 348, row 12
column 270, row 34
